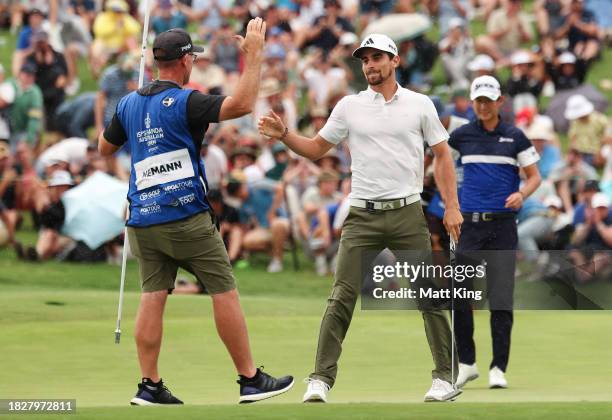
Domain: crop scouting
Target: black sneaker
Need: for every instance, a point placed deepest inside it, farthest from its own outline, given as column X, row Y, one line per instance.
column 150, row 393
column 262, row 386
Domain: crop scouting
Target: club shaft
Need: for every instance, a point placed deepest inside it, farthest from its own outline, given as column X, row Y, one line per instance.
column 143, row 49
column 452, row 258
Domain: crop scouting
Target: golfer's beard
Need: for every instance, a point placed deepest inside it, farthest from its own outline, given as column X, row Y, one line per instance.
column 186, row 77
column 379, row 78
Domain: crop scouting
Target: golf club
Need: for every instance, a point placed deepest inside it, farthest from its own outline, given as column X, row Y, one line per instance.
column 452, row 259
column 145, row 33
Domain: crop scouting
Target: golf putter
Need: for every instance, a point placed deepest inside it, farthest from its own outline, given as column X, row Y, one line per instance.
column 452, row 260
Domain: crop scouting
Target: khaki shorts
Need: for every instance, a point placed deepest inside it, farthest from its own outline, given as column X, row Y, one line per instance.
column 193, row 244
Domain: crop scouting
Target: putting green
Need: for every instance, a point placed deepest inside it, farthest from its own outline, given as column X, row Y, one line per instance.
column 59, row 344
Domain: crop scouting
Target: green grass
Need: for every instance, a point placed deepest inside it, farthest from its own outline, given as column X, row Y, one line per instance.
column 356, row 411
column 58, row 320
column 57, row 323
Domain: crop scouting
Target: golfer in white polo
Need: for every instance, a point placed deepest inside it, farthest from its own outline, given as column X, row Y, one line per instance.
column 387, row 128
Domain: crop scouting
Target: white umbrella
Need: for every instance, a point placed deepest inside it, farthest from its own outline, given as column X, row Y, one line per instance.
column 399, row 26
column 95, row 209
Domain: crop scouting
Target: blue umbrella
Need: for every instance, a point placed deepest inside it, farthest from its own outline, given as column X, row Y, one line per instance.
column 95, row 210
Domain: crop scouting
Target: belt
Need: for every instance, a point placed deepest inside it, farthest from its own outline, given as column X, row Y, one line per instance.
column 476, row 217
column 372, row 205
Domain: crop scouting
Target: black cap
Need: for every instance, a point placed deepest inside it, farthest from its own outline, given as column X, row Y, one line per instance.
column 29, row 67
column 173, row 44
column 591, row 185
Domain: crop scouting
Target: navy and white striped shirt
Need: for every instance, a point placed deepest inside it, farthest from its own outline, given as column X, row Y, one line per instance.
column 491, row 161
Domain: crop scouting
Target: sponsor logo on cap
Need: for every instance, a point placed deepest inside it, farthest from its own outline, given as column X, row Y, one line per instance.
column 485, row 85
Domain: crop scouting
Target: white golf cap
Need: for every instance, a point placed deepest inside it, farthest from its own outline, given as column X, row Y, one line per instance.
column 600, row 200
column 521, row 57
column 567, row 58
column 578, row 106
column 485, row 86
column 379, row 42
column 348, row 38
column 553, row 201
column 481, row 62
column 60, row 178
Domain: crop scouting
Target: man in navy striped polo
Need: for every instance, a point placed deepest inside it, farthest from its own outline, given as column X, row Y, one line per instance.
column 492, row 154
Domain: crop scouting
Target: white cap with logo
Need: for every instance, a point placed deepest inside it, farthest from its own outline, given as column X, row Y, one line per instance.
column 378, row 42
column 487, row 86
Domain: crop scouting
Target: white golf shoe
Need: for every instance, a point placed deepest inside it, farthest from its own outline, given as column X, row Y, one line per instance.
column 441, row 391
column 466, row 374
column 497, row 379
column 316, row 392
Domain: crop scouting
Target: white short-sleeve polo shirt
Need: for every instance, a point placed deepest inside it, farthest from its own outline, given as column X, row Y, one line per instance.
column 386, row 140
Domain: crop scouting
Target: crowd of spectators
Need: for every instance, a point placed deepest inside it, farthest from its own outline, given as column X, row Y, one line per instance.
column 267, row 198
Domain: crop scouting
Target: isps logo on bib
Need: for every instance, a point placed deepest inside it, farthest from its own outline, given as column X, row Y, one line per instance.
column 163, row 168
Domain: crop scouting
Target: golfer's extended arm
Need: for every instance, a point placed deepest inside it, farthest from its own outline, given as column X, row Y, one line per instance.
column 312, row 149
column 444, row 174
column 245, row 94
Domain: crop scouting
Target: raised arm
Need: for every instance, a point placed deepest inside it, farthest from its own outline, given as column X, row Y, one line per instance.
column 243, row 101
